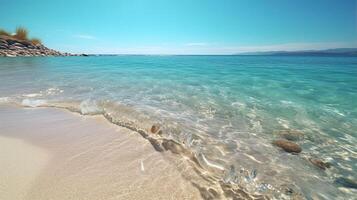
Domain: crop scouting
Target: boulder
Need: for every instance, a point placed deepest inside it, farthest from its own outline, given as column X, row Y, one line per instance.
column 18, row 45
column 288, row 146
column 4, row 46
column 14, row 48
column 2, row 41
column 11, row 41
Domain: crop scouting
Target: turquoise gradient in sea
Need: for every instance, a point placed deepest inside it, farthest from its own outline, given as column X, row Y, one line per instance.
column 227, row 109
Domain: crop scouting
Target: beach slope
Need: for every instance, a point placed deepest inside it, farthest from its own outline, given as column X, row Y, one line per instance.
column 54, row 154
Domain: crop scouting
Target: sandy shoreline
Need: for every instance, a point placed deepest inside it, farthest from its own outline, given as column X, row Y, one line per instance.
column 49, row 153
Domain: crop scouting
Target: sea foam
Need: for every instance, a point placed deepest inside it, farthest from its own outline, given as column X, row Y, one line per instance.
column 33, row 102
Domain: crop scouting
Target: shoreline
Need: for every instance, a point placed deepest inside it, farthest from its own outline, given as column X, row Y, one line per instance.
column 207, row 177
column 90, row 158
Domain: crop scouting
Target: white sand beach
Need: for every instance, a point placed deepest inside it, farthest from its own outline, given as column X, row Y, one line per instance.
column 50, row 153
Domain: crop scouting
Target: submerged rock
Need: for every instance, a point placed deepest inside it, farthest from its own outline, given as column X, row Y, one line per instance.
column 292, row 191
column 173, row 146
column 156, row 144
column 290, row 134
column 345, row 182
column 319, row 163
column 288, row 146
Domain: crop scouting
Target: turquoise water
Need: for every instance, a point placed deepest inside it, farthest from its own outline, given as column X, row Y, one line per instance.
column 226, row 109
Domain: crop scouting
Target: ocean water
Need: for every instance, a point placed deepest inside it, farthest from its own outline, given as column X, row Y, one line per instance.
column 225, row 110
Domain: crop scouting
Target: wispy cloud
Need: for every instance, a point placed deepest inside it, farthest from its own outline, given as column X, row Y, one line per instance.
column 84, row 36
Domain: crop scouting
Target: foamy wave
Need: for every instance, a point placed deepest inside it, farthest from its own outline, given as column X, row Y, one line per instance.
column 4, row 99
column 53, row 91
column 89, row 107
column 32, row 95
column 33, row 102
column 48, row 92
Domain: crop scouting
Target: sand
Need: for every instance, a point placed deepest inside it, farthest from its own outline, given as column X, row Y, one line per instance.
column 20, row 164
column 48, row 153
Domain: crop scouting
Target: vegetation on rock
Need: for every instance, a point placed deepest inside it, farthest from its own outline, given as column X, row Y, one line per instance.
column 21, row 33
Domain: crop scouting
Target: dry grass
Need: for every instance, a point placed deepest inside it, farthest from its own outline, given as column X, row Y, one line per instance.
column 35, row 41
column 4, row 33
column 21, row 33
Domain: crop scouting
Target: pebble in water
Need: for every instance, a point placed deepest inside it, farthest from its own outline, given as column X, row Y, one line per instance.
column 319, row 163
column 156, row 129
column 288, row 146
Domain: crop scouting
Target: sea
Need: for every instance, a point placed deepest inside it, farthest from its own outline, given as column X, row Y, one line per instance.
column 226, row 111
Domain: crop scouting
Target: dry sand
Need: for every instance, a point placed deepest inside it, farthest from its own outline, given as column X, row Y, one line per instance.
column 49, row 153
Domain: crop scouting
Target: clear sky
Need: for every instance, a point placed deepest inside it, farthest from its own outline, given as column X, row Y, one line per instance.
column 184, row 26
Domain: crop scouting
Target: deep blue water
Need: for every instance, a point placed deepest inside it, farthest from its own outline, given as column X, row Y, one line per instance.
column 228, row 109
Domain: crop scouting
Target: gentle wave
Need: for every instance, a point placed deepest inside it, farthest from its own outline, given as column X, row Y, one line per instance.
column 4, row 99
column 33, row 102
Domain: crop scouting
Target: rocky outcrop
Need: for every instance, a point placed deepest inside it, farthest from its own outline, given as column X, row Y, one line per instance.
column 12, row 47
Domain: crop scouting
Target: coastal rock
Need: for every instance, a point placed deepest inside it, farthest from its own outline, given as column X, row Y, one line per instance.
column 288, row 146
column 290, row 134
column 319, row 163
column 4, row 46
column 12, row 47
column 19, row 45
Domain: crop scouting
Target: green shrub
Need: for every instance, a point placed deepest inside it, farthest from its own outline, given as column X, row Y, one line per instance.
column 21, row 33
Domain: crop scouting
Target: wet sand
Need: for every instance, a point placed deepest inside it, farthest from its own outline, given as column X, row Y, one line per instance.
column 48, row 153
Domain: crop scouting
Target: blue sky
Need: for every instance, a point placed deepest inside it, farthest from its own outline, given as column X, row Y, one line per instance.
column 184, row 26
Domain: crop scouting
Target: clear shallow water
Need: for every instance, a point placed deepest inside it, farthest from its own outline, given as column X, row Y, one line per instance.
column 226, row 109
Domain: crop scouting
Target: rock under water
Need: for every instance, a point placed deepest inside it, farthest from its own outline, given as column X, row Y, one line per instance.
column 288, row 146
